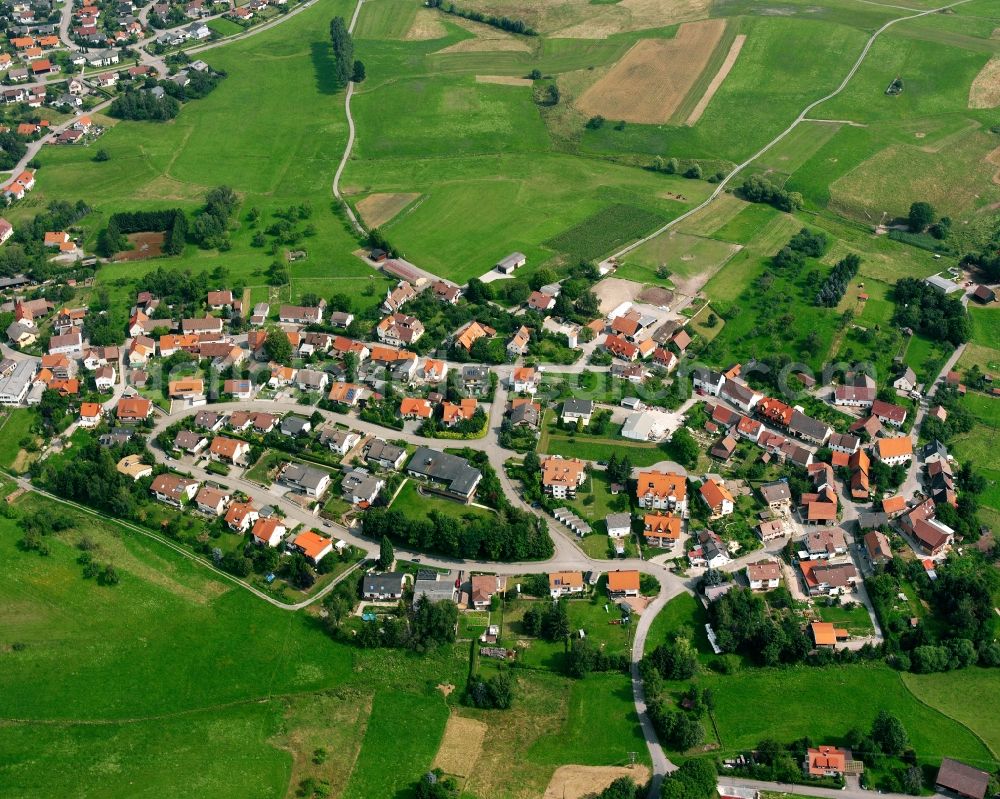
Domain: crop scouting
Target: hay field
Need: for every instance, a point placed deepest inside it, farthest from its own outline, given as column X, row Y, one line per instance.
column 585, row 19
column 503, row 80
column 576, row 782
column 654, row 77
column 377, row 209
column 461, row 746
column 426, row 25
column 985, row 89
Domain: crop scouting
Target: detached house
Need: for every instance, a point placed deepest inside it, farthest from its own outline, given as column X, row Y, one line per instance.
column 764, row 575
column 229, row 450
column 717, row 497
column 173, row 489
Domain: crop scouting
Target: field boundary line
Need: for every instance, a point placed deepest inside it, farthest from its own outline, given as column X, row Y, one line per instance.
column 940, row 712
column 795, row 123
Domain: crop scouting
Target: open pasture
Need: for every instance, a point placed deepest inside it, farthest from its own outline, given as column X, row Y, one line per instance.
column 683, row 254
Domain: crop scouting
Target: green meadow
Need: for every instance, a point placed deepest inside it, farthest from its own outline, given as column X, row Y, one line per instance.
column 177, row 681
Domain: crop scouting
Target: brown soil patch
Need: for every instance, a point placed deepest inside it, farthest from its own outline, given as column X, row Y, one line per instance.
column 653, row 78
column 720, row 76
column 575, row 782
column 446, row 688
column 426, row 25
column 613, row 291
column 488, row 39
column 985, row 89
column 461, row 746
column 144, row 245
column 503, row 80
column 656, row 295
column 994, row 160
column 377, row 209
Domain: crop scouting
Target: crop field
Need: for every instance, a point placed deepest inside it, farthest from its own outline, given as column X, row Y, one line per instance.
column 785, row 62
column 652, row 81
column 604, row 231
column 377, row 209
column 515, row 209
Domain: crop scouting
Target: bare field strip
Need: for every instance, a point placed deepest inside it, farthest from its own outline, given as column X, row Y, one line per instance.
column 377, row 209
column 993, row 159
column 426, row 25
column 487, row 39
column 720, row 76
column 504, row 80
column 461, row 746
column 985, row 89
column 652, row 79
column 576, row 782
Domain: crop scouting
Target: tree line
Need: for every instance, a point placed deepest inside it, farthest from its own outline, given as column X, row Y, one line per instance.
column 345, row 67
column 835, row 285
column 503, row 23
column 930, row 312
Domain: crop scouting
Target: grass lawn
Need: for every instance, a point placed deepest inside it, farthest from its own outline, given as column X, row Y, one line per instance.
column 926, row 357
column 784, row 708
column 415, row 505
column 683, row 611
column 594, row 501
column 854, row 619
column 983, row 407
column 15, row 426
column 225, row 27
column 588, row 615
column 979, row 446
column 985, row 326
column 263, row 471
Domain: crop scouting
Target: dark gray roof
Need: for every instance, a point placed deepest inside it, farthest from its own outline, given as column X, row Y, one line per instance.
column 302, row 475
column 442, row 467
column 807, row 426
column 525, row 413
column 579, row 406
column 934, row 447
column 869, row 520
column 186, row 439
column 388, row 583
column 379, row 450
column 293, row 425
column 206, row 419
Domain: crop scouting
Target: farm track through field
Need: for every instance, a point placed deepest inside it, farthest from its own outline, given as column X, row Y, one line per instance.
column 350, row 138
column 803, row 114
